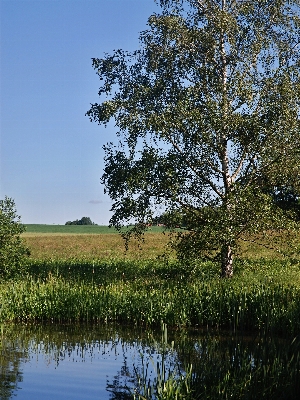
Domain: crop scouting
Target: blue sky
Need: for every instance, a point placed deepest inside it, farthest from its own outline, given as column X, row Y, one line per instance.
column 51, row 154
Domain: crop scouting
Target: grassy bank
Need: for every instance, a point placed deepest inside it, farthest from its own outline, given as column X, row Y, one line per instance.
column 90, row 277
column 263, row 294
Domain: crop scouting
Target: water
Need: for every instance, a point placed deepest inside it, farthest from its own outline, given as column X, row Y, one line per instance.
column 109, row 362
column 80, row 371
column 73, row 362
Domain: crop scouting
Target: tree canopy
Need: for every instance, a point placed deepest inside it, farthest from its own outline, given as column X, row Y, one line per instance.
column 206, row 112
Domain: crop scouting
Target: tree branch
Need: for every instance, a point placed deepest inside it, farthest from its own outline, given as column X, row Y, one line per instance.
column 211, row 184
column 239, row 167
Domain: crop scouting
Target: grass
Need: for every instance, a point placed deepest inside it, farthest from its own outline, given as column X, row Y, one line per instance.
column 39, row 229
column 89, row 277
column 101, row 242
column 262, row 296
column 96, row 246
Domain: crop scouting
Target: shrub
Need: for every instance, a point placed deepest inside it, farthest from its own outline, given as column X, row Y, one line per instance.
column 12, row 250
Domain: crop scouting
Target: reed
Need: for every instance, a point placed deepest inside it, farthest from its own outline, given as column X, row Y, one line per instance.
column 262, row 296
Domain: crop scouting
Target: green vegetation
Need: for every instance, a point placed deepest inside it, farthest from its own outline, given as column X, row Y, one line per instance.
column 264, row 295
column 12, row 248
column 70, row 229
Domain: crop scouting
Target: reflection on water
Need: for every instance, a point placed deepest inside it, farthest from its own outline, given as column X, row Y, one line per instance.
column 72, row 362
column 93, row 362
column 11, row 357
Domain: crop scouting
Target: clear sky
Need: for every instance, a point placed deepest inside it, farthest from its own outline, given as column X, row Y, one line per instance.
column 51, row 154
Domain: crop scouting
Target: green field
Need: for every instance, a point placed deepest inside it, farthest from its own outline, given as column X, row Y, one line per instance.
column 77, row 229
column 70, row 229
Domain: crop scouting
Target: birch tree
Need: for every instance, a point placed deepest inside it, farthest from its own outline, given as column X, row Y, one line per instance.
column 205, row 111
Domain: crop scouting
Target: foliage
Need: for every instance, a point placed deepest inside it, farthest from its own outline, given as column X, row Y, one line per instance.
column 82, row 221
column 287, row 198
column 206, row 110
column 12, row 249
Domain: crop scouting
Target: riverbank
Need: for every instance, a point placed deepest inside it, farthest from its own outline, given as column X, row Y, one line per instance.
column 263, row 295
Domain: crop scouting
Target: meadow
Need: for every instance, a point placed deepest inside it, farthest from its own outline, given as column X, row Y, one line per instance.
column 101, row 242
column 90, row 242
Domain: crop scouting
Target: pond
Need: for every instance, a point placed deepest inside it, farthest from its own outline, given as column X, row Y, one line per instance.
column 112, row 362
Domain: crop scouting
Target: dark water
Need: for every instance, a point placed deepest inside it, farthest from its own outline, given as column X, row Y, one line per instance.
column 105, row 362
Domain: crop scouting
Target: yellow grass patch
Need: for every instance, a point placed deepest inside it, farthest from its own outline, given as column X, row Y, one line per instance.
column 98, row 246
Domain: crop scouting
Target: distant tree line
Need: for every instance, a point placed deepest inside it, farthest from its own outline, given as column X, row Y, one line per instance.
column 82, row 221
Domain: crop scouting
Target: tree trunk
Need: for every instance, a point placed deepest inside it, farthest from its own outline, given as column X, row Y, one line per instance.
column 226, row 262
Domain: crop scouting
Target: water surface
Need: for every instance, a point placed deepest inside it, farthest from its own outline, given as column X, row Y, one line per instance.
column 112, row 362
column 73, row 362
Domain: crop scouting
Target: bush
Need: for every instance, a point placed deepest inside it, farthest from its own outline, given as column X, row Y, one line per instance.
column 12, row 250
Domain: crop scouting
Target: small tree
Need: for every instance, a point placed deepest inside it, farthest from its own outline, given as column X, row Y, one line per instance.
column 206, row 110
column 12, row 249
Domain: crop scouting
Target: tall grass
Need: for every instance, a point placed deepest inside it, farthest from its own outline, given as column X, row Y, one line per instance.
column 262, row 295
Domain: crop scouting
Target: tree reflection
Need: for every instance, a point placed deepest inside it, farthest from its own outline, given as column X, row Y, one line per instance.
column 11, row 357
column 122, row 384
